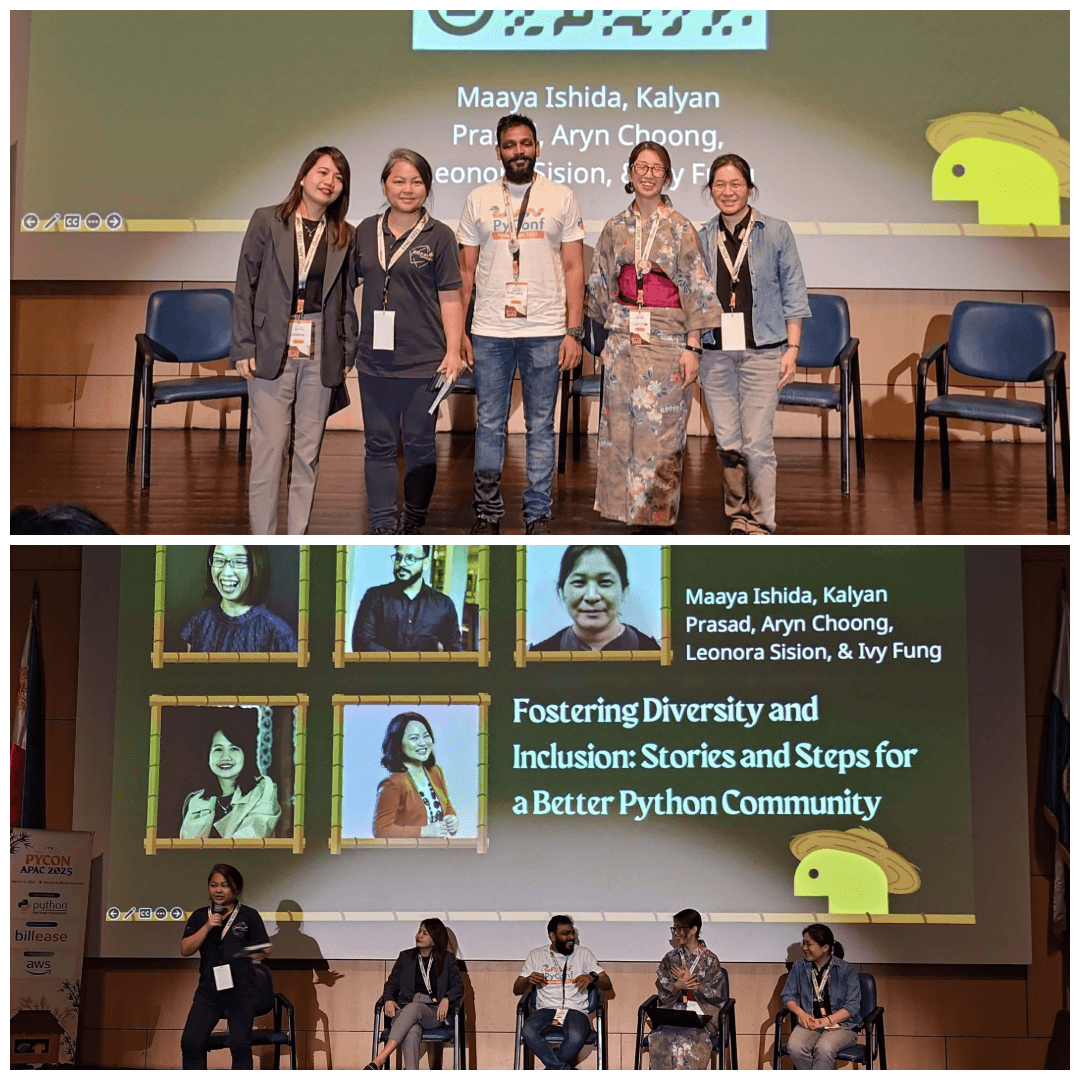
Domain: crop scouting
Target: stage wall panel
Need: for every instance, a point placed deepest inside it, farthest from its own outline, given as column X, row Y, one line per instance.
column 73, row 347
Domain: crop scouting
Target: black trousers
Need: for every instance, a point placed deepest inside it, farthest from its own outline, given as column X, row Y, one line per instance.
column 207, row 1008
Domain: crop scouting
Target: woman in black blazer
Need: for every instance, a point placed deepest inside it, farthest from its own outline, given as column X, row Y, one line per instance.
column 425, row 982
column 295, row 332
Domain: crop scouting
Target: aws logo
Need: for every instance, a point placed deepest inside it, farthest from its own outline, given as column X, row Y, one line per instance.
column 1014, row 164
column 38, row 963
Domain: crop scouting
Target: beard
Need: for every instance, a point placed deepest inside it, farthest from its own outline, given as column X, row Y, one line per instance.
column 519, row 170
column 564, row 948
column 407, row 578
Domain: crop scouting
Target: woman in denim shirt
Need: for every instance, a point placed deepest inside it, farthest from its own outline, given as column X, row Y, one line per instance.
column 822, row 993
column 743, row 370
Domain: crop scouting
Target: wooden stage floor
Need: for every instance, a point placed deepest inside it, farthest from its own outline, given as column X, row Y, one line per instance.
column 198, row 488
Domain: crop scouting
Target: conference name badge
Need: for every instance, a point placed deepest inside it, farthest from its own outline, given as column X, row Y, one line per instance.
column 382, row 336
column 640, row 327
column 517, row 300
column 560, row 1016
column 223, row 977
column 733, row 331
column 300, row 339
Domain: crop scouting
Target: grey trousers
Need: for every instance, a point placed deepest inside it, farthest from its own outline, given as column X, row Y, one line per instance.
column 296, row 405
column 407, row 1027
column 818, row 1049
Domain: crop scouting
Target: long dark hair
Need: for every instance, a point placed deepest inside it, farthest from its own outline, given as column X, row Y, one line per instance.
column 821, row 935
column 259, row 565
column 440, row 936
column 574, row 552
column 393, row 759
column 336, row 211
column 240, row 727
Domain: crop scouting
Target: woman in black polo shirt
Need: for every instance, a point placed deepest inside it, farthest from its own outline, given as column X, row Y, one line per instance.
column 410, row 326
column 220, row 933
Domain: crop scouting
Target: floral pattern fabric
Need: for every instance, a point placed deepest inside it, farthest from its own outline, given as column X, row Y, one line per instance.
column 642, row 434
column 687, row 1048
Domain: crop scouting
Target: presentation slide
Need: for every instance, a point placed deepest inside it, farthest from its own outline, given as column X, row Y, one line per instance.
column 772, row 736
column 908, row 149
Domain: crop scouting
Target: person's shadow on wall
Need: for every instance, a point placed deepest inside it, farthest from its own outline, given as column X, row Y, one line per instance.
column 765, row 1034
column 308, row 971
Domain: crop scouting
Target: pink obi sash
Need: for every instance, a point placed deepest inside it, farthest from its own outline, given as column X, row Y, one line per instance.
column 660, row 291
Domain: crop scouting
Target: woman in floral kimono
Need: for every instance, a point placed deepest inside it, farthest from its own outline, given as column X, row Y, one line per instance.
column 651, row 290
column 689, row 977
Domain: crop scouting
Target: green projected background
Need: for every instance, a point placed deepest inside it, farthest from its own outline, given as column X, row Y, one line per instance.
column 820, row 695
column 129, row 176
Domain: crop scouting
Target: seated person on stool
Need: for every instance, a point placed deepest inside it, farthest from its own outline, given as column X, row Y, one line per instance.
column 822, row 993
column 425, row 982
column 220, row 933
column 563, row 973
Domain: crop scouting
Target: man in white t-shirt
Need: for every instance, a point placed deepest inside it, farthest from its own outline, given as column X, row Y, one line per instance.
column 522, row 243
column 563, row 973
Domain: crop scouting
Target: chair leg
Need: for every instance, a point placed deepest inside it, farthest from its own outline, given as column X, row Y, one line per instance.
column 1051, row 454
column 943, row 449
column 563, row 411
column 148, row 422
column 1063, row 414
column 241, row 450
column 856, row 386
column 136, row 390
column 845, row 447
column 577, row 427
column 920, row 436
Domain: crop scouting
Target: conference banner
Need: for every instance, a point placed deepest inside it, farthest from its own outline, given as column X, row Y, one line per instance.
column 50, row 883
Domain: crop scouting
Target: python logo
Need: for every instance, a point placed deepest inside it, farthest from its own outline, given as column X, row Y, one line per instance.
column 1014, row 164
column 855, row 869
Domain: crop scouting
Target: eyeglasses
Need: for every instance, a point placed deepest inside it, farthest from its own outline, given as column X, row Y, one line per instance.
column 407, row 560
column 649, row 170
column 240, row 562
column 679, row 929
column 735, row 185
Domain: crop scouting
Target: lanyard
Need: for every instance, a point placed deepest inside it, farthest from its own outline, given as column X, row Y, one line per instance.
column 305, row 258
column 819, row 987
column 515, row 245
column 425, row 973
column 232, row 918
column 402, row 248
column 734, row 270
column 564, row 967
column 641, row 259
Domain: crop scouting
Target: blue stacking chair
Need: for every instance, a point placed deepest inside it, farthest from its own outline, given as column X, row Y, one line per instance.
column 597, row 1037
column 1010, row 343
column 283, row 1033
column 871, row 1031
column 827, row 343
column 453, row 1032
column 183, row 326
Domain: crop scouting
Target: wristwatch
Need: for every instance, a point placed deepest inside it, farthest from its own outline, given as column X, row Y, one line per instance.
column 576, row 332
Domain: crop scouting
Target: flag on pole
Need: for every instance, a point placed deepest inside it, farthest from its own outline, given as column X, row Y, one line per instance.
column 1056, row 776
column 28, row 735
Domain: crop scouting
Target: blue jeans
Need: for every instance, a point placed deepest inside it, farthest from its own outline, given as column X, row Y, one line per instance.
column 740, row 392
column 495, row 361
column 575, row 1030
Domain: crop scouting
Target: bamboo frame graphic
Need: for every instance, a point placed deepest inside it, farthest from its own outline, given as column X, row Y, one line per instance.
column 338, row 843
column 154, row 843
column 481, row 656
column 523, row 656
column 301, row 657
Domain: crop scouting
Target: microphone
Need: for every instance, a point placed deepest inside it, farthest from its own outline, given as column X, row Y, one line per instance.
column 219, row 909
